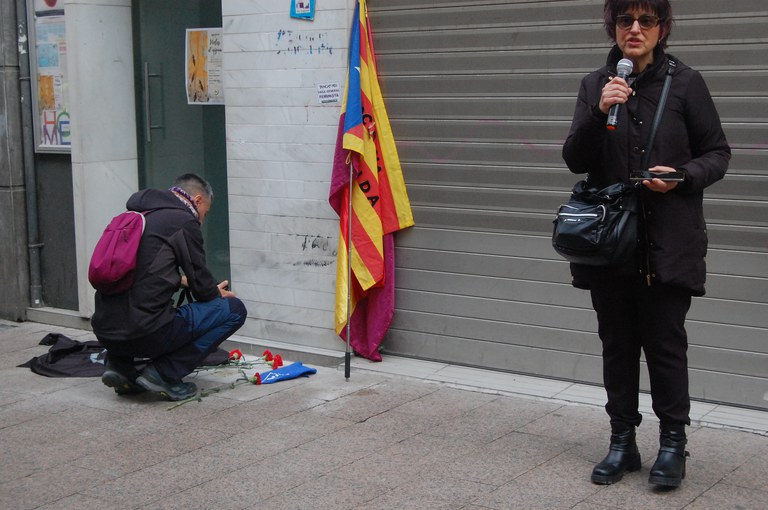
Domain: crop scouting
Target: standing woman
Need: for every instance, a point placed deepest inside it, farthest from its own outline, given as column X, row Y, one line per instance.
column 643, row 305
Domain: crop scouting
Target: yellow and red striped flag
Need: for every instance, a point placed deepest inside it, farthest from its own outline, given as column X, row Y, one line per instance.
column 380, row 203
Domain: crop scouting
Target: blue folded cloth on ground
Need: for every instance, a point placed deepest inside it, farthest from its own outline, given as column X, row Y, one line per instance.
column 291, row 371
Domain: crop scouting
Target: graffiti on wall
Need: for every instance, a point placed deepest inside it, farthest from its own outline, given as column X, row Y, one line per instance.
column 288, row 42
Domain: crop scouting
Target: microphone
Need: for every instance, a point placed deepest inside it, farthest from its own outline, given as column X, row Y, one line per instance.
column 623, row 69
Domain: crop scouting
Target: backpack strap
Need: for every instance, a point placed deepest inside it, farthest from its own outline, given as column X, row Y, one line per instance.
column 184, row 295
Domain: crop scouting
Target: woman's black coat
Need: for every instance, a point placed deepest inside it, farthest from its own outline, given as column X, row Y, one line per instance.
column 689, row 139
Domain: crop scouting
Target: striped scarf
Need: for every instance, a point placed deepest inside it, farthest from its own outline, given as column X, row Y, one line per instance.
column 185, row 199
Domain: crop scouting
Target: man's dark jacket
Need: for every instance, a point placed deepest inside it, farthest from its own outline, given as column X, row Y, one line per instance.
column 172, row 240
column 689, row 139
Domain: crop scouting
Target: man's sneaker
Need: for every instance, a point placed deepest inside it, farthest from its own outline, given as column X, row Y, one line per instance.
column 121, row 384
column 121, row 375
column 151, row 380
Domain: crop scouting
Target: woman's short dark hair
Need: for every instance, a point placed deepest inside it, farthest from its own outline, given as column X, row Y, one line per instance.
column 661, row 8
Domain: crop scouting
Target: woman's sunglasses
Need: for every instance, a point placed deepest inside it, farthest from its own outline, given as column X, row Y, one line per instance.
column 647, row 21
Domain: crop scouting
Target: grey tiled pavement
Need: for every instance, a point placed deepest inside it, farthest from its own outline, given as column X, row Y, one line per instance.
column 378, row 441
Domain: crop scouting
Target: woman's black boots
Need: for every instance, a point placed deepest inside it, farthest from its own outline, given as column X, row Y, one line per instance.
column 669, row 468
column 622, row 457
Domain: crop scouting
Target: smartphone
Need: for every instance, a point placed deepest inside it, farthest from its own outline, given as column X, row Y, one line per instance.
column 665, row 176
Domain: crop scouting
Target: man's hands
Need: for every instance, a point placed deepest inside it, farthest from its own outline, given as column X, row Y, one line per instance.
column 223, row 289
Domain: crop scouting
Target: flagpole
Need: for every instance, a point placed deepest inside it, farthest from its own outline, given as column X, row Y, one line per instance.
column 348, row 351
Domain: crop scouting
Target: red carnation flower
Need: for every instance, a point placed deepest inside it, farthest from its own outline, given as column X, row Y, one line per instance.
column 277, row 362
column 256, row 379
column 268, row 355
column 235, row 355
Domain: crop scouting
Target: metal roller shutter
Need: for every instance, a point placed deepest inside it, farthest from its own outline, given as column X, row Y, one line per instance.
column 481, row 94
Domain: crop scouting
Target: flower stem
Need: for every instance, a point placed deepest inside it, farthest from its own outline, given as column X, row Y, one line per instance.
column 204, row 393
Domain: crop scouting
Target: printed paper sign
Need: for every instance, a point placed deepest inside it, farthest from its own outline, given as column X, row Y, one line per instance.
column 328, row 93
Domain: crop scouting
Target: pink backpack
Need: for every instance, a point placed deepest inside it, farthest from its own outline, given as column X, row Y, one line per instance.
column 114, row 259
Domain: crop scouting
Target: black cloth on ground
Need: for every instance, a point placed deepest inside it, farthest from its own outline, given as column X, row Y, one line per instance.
column 68, row 358
column 72, row 358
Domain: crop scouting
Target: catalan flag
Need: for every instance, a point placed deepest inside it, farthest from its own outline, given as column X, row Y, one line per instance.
column 379, row 199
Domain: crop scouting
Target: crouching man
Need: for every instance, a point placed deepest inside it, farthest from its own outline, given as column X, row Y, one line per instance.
column 143, row 321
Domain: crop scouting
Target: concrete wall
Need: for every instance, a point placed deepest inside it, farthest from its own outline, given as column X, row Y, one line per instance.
column 280, row 143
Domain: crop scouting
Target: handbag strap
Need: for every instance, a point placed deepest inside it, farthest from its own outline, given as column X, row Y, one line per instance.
column 647, row 155
column 671, row 67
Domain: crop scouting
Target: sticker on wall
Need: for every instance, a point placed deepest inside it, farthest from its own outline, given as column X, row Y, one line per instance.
column 303, row 9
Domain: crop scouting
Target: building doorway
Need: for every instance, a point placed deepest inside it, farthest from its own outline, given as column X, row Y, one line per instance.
column 175, row 137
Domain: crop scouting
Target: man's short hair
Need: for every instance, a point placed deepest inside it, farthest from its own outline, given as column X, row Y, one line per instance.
column 194, row 185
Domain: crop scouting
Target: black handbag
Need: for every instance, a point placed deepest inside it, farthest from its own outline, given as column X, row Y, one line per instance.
column 599, row 227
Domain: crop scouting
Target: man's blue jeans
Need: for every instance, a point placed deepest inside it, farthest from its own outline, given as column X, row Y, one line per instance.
column 197, row 330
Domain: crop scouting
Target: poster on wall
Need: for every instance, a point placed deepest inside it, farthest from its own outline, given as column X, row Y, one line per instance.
column 203, row 66
column 303, row 9
column 48, row 66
